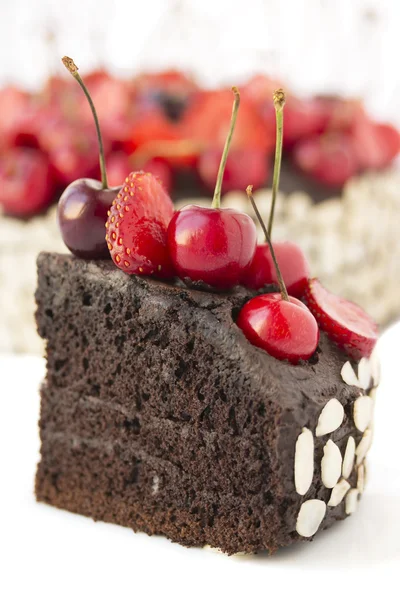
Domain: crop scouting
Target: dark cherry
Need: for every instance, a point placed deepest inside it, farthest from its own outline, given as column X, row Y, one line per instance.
column 82, row 208
column 81, row 215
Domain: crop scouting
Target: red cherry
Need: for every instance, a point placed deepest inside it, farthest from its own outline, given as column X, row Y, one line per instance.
column 26, row 185
column 137, row 227
column 242, row 166
column 346, row 323
column 285, row 329
column 329, row 159
column 292, row 262
column 211, row 245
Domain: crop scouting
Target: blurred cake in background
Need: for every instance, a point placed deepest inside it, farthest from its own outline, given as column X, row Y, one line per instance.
column 341, row 192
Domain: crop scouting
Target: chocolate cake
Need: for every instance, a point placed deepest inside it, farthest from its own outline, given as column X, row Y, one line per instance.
column 159, row 415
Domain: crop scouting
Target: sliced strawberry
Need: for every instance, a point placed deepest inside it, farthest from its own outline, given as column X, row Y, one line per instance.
column 137, row 227
column 346, row 323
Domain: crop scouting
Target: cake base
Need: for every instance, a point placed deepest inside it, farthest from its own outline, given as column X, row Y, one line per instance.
column 158, row 414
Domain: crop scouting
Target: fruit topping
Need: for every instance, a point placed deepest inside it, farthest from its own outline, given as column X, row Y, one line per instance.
column 137, row 227
column 26, row 185
column 82, row 208
column 278, row 323
column 345, row 323
column 213, row 245
column 293, row 264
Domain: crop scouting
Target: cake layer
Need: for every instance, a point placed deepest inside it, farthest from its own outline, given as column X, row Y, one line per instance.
column 153, row 386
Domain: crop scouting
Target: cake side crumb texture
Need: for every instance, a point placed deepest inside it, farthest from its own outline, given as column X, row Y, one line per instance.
column 157, row 414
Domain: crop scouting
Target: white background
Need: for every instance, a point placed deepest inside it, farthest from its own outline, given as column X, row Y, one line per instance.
column 351, row 46
column 315, row 45
column 51, row 554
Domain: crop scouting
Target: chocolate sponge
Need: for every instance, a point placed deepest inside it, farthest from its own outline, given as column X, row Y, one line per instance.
column 158, row 414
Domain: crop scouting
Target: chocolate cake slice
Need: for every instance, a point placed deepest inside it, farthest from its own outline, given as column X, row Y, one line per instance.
column 158, row 414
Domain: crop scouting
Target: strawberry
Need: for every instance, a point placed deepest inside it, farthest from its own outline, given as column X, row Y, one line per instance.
column 345, row 323
column 137, row 227
column 26, row 186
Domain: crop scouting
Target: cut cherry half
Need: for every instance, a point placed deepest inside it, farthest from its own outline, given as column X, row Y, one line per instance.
column 346, row 323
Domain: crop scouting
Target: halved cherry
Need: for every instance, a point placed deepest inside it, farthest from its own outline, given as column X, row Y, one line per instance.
column 346, row 323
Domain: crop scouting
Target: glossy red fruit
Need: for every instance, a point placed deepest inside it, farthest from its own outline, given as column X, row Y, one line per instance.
column 303, row 118
column 242, row 166
column 211, row 245
column 329, row 159
column 208, row 117
column 375, row 144
column 292, row 262
column 81, row 216
column 346, row 323
column 286, row 329
column 26, row 185
column 73, row 152
column 137, row 227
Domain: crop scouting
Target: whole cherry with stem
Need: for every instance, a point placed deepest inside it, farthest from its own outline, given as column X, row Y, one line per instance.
column 213, row 245
column 293, row 263
column 277, row 322
column 82, row 208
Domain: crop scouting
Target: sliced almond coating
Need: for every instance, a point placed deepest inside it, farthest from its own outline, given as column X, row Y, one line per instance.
column 362, row 412
column 364, row 373
column 339, row 492
column 348, row 375
column 361, row 478
column 311, row 515
column 331, row 464
column 375, row 365
column 304, row 461
column 349, row 457
column 351, row 501
column 364, row 446
column 331, row 417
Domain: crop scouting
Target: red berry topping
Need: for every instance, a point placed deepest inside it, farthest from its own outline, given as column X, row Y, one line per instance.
column 26, row 185
column 292, row 262
column 211, row 245
column 242, row 166
column 346, row 323
column 286, row 329
column 137, row 227
column 329, row 159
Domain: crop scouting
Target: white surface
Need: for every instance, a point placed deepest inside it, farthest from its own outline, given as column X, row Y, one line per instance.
column 314, row 45
column 50, row 554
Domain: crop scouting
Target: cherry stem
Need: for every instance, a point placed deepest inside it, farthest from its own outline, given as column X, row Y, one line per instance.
column 279, row 102
column 73, row 69
column 282, row 286
column 216, row 203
